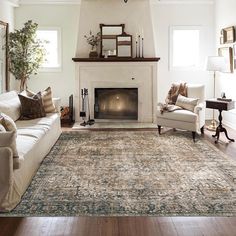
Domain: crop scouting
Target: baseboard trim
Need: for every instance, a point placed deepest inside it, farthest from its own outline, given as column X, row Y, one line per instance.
column 230, row 124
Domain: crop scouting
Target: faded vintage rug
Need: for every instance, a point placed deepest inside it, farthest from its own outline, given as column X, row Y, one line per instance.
column 119, row 173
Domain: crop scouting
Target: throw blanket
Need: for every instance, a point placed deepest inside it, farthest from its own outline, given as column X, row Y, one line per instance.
column 172, row 96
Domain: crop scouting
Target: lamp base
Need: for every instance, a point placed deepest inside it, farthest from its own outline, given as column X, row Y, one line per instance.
column 212, row 126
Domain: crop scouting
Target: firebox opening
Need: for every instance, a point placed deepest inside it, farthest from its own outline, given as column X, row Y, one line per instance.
column 116, row 103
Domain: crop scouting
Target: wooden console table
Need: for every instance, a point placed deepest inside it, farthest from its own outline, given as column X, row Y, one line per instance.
column 220, row 106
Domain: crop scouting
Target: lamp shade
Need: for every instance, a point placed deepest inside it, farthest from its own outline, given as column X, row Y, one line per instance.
column 216, row 63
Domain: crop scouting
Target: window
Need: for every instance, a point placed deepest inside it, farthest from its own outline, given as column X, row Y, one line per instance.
column 53, row 48
column 184, row 47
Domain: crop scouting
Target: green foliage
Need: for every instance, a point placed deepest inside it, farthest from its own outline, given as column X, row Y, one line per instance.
column 26, row 52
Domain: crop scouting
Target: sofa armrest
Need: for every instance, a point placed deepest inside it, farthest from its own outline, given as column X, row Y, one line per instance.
column 6, row 171
column 57, row 103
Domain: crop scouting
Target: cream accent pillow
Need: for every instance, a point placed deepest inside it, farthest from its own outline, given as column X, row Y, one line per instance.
column 7, row 122
column 48, row 104
column 187, row 103
column 11, row 108
column 8, row 139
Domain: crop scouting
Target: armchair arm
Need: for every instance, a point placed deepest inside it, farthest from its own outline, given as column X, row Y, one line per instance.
column 6, row 172
column 199, row 107
column 57, row 103
column 200, row 111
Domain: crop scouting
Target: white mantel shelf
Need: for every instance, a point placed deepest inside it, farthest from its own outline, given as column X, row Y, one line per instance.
column 117, row 59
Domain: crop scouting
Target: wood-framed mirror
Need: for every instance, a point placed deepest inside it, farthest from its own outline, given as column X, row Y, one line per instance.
column 124, row 45
column 4, row 62
column 108, row 39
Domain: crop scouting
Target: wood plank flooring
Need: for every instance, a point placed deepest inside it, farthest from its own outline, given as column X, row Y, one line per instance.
column 127, row 226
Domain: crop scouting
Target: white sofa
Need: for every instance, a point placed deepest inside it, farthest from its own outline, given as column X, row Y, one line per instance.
column 35, row 138
column 184, row 119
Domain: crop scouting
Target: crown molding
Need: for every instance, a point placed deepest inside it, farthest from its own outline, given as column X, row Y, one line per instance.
column 52, row 2
column 185, row 2
column 14, row 3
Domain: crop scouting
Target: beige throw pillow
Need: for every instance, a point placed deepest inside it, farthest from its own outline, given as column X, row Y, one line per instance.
column 48, row 104
column 187, row 103
column 7, row 122
column 8, row 139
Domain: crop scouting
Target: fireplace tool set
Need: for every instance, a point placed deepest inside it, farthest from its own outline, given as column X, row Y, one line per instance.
column 85, row 108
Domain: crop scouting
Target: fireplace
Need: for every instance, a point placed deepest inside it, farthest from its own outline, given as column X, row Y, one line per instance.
column 116, row 103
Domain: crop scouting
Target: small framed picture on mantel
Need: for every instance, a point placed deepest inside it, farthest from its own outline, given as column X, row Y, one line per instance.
column 227, row 53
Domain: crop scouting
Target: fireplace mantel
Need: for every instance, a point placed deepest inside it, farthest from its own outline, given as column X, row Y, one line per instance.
column 116, row 59
column 140, row 73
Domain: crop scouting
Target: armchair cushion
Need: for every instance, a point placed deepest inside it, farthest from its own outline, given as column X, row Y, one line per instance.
column 180, row 115
column 186, row 102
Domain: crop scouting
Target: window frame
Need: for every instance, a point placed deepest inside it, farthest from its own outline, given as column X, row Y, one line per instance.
column 171, row 31
column 59, row 50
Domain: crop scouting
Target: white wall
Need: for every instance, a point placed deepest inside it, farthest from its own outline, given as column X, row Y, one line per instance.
column 134, row 14
column 166, row 15
column 65, row 17
column 7, row 13
column 154, row 18
column 225, row 16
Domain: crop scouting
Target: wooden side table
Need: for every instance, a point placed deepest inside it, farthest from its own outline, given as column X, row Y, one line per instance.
column 220, row 106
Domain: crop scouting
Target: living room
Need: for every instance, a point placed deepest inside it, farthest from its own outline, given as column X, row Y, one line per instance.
column 168, row 44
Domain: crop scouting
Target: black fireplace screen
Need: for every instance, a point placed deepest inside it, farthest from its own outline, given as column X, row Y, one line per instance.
column 116, row 103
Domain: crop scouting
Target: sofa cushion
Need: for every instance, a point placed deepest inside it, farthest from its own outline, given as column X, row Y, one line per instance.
column 10, row 104
column 30, row 131
column 180, row 115
column 31, row 107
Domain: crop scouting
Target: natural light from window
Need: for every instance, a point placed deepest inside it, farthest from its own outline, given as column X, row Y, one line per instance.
column 185, row 48
column 52, row 47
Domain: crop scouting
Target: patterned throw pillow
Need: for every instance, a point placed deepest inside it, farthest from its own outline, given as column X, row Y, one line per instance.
column 7, row 122
column 8, row 139
column 48, row 104
column 31, row 107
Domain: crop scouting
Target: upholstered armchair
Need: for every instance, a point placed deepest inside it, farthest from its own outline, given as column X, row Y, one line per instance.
column 185, row 119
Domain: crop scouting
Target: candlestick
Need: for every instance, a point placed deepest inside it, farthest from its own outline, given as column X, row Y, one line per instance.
column 142, row 48
column 139, row 43
column 136, row 48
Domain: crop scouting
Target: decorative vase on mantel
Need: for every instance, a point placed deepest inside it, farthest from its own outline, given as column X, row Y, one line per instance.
column 93, row 53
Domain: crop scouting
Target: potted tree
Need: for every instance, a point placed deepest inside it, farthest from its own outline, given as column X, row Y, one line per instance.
column 26, row 53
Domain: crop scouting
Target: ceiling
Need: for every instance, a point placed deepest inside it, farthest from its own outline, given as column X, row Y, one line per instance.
column 17, row 2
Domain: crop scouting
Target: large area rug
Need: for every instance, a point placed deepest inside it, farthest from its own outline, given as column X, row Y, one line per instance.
column 119, row 173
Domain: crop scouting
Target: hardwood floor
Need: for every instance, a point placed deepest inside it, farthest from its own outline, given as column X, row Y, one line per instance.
column 127, row 226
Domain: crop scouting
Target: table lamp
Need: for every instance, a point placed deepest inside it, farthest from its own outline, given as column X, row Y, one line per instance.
column 215, row 63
